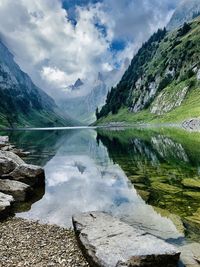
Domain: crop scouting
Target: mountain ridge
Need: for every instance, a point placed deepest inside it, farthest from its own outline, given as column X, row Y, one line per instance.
column 22, row 103
column 162, row 79
column 83, row 107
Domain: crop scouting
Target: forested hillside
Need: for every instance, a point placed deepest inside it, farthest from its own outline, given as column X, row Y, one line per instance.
column 163, row 81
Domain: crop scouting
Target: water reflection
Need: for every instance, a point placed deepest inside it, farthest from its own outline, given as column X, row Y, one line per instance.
column 164, row 168
column 82, row 177
column 86, row 171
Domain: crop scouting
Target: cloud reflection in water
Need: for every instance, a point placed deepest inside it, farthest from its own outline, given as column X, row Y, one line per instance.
column 81, row 177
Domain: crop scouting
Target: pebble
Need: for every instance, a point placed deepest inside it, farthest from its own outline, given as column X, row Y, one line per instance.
column 28, row 243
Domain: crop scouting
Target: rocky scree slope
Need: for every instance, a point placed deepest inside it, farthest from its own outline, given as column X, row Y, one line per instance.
column 163, row 81
column 21, row 102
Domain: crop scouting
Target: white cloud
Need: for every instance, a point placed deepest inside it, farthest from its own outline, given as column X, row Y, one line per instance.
column 55, row 76
column 55, row 52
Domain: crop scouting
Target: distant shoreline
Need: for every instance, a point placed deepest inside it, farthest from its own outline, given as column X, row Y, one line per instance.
column 189, row 125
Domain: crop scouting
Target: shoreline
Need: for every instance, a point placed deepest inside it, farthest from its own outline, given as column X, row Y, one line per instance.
column 26, row 242
column 192, row 124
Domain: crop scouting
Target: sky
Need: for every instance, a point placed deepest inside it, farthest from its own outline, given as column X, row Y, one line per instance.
column 58, row 41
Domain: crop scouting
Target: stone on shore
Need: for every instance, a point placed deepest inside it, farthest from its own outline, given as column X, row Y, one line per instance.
column 10, row 155
column 109, row 242
column 6, row 165
column 18, row 190
column 21, row 152
column 4, row 141
column 5, row 204
column 30, row 174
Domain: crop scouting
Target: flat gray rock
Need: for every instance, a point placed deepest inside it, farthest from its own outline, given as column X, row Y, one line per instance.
column 18, row 190
column 109, row 242
column 5, row 204
column 30, row 174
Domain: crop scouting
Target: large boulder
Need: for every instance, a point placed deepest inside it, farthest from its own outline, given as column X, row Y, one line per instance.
column 8, row 162
column 5, row 205
column 10, row 155
column 18, row 190
column 31, row 174
column 109, row 242
column 6, row 165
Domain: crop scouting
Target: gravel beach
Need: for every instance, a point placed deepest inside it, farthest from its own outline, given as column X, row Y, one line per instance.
column 25, row 243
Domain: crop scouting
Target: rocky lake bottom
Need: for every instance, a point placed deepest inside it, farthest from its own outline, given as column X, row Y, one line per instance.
column 149, row 179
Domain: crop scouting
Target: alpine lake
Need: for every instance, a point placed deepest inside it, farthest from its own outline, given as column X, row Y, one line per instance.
column 149, row 178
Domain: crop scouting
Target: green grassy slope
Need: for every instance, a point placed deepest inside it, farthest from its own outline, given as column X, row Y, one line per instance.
column 36, row 119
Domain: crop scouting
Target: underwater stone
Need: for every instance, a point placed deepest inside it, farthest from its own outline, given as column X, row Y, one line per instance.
column 170, row 189
column 191, row 183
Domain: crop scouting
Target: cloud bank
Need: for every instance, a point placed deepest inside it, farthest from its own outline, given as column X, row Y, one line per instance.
column 56, row 45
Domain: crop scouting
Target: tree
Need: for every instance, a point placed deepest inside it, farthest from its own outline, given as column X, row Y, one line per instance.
column 97, row 113
column 184, row 30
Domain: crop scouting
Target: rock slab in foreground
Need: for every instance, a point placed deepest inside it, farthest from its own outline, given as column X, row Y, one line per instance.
column 5, row 204
column 109, row 242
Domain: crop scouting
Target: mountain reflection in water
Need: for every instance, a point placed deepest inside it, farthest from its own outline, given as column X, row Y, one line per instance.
column 88, row 171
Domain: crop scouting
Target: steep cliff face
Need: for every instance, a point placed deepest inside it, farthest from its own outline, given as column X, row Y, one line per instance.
column 21, row 102
column 162, row 76
column 186, row 11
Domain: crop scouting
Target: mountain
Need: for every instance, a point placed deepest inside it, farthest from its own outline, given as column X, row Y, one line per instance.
column 22, row 103
column 77, row 85
column 83, row 108
column 186, row 11
column 162, row 84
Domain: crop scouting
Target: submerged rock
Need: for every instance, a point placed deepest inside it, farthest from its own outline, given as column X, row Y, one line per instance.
column 109, row 242
column 191, row 255
column 195, row 218
column 173, row 217
column 5, row 204
column 194, row 195
column 31, row 174
column 143, row 194
column 191, row 183
column 170, row 189
column 18, row 190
